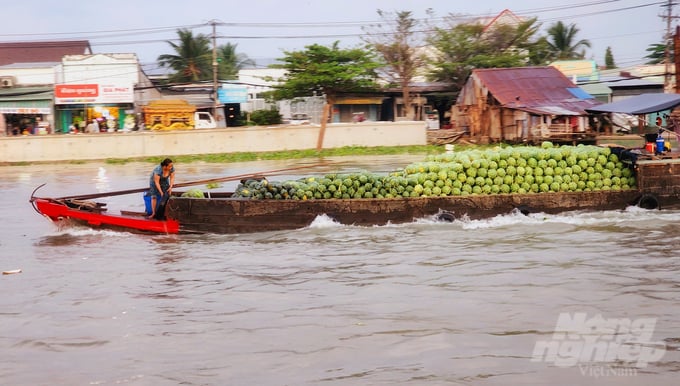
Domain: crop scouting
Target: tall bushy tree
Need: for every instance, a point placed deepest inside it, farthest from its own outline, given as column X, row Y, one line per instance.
column 461, row 47
column 397, row 42
column 609, row 59
column 192, row 60
column 563, row 43
column 326, row 70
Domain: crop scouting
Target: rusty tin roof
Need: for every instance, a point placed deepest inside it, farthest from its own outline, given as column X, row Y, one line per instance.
column 539, row 90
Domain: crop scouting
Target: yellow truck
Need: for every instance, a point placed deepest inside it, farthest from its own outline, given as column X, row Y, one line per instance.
column 175, row 114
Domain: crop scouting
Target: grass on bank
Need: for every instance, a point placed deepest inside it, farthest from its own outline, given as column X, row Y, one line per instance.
column 291, row 154
column 278, row 155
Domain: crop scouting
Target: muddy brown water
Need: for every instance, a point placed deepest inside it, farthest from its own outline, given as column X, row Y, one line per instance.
column 423, row 303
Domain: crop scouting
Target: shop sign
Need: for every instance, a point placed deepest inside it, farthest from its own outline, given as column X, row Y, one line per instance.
column 232, row 94
column 25, row 110
column 26, row 107
column 117, row 94
column 75, row 93
column 92, row 93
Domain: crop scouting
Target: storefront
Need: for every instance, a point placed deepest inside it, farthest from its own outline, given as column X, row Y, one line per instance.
column 357, row 109
column 109, row 107
column 26, row 110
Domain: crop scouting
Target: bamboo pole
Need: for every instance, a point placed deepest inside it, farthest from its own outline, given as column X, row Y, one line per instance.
column 189, row 183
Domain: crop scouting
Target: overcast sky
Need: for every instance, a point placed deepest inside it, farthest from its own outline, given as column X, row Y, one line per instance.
column 262, row 29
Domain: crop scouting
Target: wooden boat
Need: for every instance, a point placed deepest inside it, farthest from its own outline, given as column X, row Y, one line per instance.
column 226, row 215
column 658, row 186
column 94, row 214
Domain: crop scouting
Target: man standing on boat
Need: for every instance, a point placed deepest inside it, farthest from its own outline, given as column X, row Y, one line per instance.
column 161, row 181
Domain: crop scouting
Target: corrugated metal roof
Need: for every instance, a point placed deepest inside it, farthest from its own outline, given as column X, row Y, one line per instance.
column 596, row 89
column 623, row 82
column 26, row 93
column 640, row 104
column 540, row 90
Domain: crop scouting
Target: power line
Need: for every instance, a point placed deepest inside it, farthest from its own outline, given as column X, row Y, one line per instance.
column 594, row 13
column 134, row 30
column 96, row 36
column 126, row 32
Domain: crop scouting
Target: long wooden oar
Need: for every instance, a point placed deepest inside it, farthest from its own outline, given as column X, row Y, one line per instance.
column 190, row 183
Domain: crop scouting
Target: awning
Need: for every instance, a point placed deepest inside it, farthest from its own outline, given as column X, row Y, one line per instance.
column 26, row 100
column 639, row 104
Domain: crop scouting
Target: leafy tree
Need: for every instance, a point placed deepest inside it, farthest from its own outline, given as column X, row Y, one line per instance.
column 462, row 47
column 397, row 43
column 540, row 53
column 230, row 62
column 192, row 60
column 609, row 59
column 562, row 40
column 326, row 70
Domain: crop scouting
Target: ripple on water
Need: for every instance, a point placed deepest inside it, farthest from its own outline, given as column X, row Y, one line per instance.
column 418, row 303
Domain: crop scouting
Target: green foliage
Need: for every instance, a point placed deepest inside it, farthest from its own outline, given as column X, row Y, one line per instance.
column 326, row 70
column 265, row 117
column 230, row 62
column 192, row 60
column 463, row 47
column 563, row 44
column 609, row 59
column 657, row 53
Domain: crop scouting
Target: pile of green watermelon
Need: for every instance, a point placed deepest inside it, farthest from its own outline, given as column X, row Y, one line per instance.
column 520, row 169
column 193, row 193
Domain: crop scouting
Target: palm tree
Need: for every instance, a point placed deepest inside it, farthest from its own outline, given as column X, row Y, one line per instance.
column 562, row 42
column 231, row 62
column 657, row 53
column 192, row 60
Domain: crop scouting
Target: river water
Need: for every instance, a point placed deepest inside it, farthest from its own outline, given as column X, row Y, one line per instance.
column 425, row 303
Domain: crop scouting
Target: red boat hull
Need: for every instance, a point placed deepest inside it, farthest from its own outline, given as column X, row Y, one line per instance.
column 59, row 211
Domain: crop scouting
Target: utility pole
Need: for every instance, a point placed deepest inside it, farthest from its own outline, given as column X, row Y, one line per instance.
column 214, row 68
column 676, row 48
column 669, row 41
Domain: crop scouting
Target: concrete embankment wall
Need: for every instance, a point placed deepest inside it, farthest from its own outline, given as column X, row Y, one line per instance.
column 74, row 147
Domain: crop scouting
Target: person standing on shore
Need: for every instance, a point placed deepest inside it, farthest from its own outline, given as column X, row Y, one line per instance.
column 160, row 183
